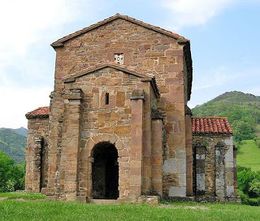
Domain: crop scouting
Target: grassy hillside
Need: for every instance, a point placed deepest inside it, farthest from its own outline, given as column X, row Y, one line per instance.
column 249, row 155
column 13, row 143
column 242, row 110
column 26, row 209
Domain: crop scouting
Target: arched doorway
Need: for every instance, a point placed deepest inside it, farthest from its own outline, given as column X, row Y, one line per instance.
column 105, row 171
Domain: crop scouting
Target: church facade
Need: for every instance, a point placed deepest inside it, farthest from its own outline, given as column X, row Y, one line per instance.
column 118, row 125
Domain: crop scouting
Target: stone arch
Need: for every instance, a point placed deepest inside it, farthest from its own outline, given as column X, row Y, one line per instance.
column 113, row 139
column 105, row 171
column 90, row 144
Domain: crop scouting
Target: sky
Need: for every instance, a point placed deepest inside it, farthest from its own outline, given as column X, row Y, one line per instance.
column 224, row 35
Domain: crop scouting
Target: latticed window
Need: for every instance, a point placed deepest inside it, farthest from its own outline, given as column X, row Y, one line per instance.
column 119, row 58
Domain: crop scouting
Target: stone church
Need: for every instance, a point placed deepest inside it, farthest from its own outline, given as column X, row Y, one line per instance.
column 118, row 125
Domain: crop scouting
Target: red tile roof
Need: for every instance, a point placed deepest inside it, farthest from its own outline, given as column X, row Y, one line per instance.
column 211, row 125
column 41, row 112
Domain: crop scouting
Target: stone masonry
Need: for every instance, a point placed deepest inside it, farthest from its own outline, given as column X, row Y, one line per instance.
column 118, row 125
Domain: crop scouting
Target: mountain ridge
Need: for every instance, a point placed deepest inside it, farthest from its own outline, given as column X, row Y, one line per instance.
column 13, row 142
column 241, row 109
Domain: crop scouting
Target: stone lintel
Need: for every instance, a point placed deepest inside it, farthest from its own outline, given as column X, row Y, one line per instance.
column 137, row 97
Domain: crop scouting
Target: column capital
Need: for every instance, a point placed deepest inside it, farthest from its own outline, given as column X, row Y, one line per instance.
column 73, row 94
column 37, row 140
column 137, row 95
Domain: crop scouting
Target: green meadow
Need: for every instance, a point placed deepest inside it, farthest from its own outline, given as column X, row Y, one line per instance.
column 249, row 155
column 24, row 207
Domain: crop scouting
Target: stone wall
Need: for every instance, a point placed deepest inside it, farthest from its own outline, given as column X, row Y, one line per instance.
column 214, row 170
column 37, row 155
column 88, row 120
column 146, row 52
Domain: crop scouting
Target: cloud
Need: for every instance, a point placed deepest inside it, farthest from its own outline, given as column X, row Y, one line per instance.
column 194, row 12
column 216, row 77
column 26, row 59
column 24, row 23
column 16, row 103
column 211, row 83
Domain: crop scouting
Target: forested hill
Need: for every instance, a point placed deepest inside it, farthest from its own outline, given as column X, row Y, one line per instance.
column 13, row 142
column 242, row 110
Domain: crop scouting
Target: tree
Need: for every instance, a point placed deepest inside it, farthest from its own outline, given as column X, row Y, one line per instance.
column 11, row 174
column 243, row 130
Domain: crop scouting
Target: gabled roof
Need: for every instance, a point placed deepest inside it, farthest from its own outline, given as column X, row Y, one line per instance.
column 211, row 125
column 61, row 41
column 119, row 68
column 100, row 67
column 41, row 112
column 180, row 39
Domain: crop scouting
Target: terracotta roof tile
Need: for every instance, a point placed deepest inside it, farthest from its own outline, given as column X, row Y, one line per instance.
column 211, row 125
column 41, row 112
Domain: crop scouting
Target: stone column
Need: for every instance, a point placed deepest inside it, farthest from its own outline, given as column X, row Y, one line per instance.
column 229, row 168
column 54, row 144
column 220, row 173
column 189, row 157
column 136, row 149
column 36, row 165
column 70, row 144
column 200, row 170
column 157, row 155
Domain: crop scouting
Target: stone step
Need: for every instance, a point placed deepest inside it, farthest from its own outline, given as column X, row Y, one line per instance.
column 104, row 201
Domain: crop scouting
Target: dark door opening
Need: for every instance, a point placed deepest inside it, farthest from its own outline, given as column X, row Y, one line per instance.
column 105, row 171
column 43, row 160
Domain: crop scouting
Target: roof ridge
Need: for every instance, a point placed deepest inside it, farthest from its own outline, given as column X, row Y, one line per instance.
column 60, row 42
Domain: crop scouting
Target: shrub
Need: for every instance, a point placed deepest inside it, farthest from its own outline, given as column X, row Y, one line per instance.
column 249, row 186
column 254, row 189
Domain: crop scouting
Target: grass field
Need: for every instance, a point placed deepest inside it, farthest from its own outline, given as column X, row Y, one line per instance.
column 249, row 155
column 55, row 211
column 22, row 196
